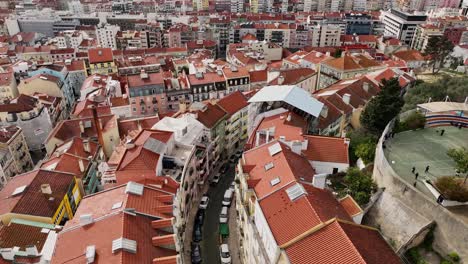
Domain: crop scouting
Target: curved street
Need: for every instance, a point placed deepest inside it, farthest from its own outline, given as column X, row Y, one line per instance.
column 210, row 242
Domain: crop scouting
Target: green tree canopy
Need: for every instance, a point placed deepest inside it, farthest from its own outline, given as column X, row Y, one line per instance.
column 460, row 156
column 438, row 48
column 383, row 107
column 455, row 88
column 360, row 185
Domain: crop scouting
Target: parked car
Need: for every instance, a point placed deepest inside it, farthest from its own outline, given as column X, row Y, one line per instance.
column 223, row 216
column 200, row 216
column 224, row 168
column 224, row 253
column 197, row 233
column 196, row 254
column 216, row 178
column 227, row 197
column 204, row 202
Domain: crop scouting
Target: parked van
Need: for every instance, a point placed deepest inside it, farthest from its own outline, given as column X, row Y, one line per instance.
column 223, row 216
column 227, row 198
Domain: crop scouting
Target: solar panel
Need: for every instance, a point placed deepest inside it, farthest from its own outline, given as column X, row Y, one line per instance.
column 269, row 166
column 124, row 244
column 134, row 188
column 274, row 149
column 19, row 190
column 275, row 181
column 295, row 191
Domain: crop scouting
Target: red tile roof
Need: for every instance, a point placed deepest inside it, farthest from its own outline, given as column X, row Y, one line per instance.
column 327, row 149
column 258, row 76
column 22, row 103
column 100, row 55
column 22, row 236
column 287, row 166
column 153, row 79
column 290, row 130
column 349, row 63
column 211, row 115
column 350, row 205
column 233, row 102
column 31, row 201
column 209, row 77
column 293, row 76
column 67, row 163
column 125, row 126
column 409, row 55
column 111, row 222
column 7, row 132
column 356, row 244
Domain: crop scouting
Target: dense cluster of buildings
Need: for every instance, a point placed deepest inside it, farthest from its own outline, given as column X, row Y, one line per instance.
column 115, row 114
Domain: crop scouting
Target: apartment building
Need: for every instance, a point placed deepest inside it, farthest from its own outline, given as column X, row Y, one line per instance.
column 106, row 35
column 347, row 66
column 236, row 106
column 101, row 61
column 237, row 78
column 30, row 114
column 8, row 86
column 422, row 35
column 209, row 85
column 131, row 39
column 56, row 196
column 147, row 93
column 15, row 157
column 401, row 25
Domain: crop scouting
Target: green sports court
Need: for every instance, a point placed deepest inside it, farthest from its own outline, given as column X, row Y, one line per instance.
column 424, row 147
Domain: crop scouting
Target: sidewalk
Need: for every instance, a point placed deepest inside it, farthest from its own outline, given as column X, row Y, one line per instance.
column 233, row 240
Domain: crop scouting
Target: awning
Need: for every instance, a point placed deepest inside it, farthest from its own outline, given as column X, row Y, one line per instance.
column 224, row 229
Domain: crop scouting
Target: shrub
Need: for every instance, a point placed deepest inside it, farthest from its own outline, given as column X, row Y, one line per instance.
column 366, row 151
column 357, row 138
column 360, row 185
column 414, row 121
column 444, row 261
column 454, row 256
column 414, row 256
column 452, row 188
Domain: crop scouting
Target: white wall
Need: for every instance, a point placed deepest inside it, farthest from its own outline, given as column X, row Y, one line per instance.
column 327, row 167
column 267, row 238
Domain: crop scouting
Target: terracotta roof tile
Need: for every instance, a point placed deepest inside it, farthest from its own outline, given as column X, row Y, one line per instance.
column 350, row 205
column 293, row 76
column 409, row 55
column 258, row 76
column 211, row 115
column 355, row 244
column 209, row 77
column 326, row 149
column 31, row 201
column 233, row 102
column 99, row 55
column 22, row 236
column 153, row 79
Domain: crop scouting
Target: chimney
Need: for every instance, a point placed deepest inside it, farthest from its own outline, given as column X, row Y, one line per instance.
column 257, row 139
column 346, row 98
column 81, row 164
column 324, row 112
column 143, row 74
column 81, row 126
column 97, row 124
column 32, row 251
column 45, row 189
column 86, row 147
column 280, row 80
column 365, row 86
column 289, row 117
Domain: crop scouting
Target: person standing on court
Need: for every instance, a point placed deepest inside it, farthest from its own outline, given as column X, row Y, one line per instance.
column 427, row 169
column 442, row 132
column 413, row 169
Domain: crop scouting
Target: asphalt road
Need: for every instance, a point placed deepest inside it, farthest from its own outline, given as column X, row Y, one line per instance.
column 210, row 242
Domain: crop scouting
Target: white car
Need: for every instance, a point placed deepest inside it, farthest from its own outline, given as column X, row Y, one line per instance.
column 216, row 178
column 223, row 216
column 224, row 253
column 204, row 202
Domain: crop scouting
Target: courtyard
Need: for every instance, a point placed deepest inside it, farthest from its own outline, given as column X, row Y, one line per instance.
column 421, row 148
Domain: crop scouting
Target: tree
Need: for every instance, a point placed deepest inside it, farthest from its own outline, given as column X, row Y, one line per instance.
column 383, row 107
column 357, row 138
column 414, row 121
column 438, row 48
column 453, row 87
column 366, row 151
column 460, row 156
column 360, row 185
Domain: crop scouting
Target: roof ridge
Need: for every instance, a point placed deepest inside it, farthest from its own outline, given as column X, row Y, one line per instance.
column 306, row 233
column 349, row 240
